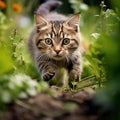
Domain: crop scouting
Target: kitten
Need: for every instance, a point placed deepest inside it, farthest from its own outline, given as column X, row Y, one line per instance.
column 54, row 42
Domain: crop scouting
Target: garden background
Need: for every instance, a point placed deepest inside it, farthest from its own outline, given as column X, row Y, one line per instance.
column 100, row 29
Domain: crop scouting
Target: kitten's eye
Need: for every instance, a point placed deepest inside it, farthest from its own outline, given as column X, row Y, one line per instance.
column 66, row 41
column 48, row 41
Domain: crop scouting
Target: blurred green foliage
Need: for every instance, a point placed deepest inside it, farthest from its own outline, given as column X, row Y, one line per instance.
column 103, row 58
column 18, row 86
column 96, row 24
column 17, row 72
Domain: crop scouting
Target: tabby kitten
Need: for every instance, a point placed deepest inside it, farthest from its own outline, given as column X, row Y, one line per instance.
column 55, row 42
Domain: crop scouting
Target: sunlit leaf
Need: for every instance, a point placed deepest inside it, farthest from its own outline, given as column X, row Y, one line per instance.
column 6, row 63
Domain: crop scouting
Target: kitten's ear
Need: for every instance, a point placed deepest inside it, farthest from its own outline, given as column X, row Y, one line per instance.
column 40, row 21
column 74, row 21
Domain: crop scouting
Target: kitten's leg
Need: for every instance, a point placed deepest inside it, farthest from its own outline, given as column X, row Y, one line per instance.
column 48, row 75
column 47, row 70
column 74, row 75
column 75, row 71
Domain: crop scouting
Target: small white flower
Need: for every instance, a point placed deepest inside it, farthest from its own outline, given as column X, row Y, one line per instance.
column 6, row 97
column 17, row 80
column 31, row 91
column 22, row 95
column 95, row 35
column 32, row 83
column 24, row 21
column 83, row 6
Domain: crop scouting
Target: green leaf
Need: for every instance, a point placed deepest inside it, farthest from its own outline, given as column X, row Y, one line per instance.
column 93, row 64
column 6, row 64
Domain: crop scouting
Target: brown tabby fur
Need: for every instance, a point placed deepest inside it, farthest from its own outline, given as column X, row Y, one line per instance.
column 54, row 43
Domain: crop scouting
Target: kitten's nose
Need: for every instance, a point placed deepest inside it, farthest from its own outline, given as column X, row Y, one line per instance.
column 57, row 49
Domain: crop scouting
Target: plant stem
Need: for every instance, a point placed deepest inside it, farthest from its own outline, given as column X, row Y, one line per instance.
column 89, row 77
column 8, row 11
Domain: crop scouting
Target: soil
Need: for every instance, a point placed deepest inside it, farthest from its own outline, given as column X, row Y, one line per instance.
column 63, row 106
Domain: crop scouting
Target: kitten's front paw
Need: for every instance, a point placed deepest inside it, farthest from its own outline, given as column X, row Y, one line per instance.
column 74, row 76
column 48, row 75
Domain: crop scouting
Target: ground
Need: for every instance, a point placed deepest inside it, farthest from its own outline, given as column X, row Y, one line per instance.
column 65, row 106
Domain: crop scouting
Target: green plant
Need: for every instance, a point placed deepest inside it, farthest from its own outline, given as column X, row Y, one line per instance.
column 17, row 74
column 101, row 22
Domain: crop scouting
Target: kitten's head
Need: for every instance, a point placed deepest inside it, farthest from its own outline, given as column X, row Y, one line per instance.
column 57, row 39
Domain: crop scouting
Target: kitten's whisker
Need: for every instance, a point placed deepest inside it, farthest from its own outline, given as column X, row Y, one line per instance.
column 42, row 57
column 67, row 59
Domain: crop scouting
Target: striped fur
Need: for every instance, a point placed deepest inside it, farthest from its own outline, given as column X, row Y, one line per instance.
column 55, row 43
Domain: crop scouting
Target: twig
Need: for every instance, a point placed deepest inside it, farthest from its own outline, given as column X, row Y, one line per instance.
column 89, row 84
column 89, row 77
column 24, row 105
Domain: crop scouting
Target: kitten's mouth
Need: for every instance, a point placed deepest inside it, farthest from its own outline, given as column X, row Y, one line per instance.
column 58, row 57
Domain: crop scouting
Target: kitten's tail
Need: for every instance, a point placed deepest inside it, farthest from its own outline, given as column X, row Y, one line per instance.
column 48, row 6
